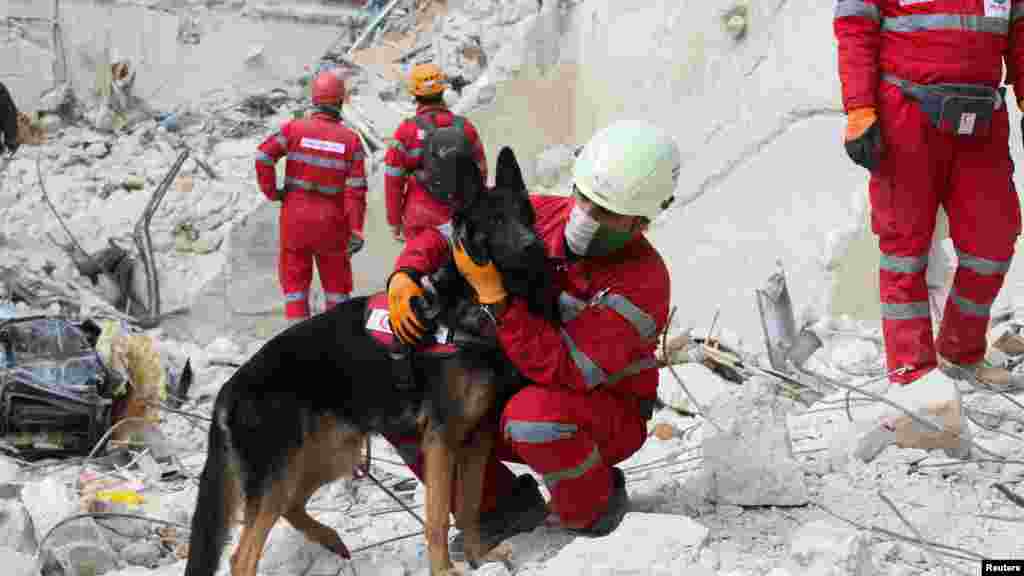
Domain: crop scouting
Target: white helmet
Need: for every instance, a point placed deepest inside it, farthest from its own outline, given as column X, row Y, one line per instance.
column 631, row 167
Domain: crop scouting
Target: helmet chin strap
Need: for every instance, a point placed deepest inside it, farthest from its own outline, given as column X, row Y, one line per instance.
column 333, row 111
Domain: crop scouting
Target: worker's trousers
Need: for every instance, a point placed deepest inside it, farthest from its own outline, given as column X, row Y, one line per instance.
column 971, row 177
column 570, row 438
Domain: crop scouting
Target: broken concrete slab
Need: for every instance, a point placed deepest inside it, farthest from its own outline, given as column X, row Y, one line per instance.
column 823, row 548
column 83, row 557
column 702, row 383
column 288, row 551
column 16, row 564
column 8, row 473
column 748, row 452
column 379, row 564
column 79, row 544
column 657, row 543
column 48, row 501
column 16, row 532
column 143, row 553
column 877, row 425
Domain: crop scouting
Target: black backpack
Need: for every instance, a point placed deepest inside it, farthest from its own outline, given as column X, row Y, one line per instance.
column 443, row 146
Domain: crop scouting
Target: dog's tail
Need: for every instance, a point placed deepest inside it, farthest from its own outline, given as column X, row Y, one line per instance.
column 216, row 505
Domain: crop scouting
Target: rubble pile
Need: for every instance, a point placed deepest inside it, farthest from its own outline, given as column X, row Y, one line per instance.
column 744, row 474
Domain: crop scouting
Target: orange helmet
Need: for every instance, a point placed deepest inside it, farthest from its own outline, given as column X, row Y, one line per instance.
column 427, row 80
column 328, row 89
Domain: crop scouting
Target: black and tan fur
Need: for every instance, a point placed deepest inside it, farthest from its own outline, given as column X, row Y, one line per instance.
column 295, row 416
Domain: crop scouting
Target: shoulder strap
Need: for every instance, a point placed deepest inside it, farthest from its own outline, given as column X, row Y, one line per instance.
column 423, row 123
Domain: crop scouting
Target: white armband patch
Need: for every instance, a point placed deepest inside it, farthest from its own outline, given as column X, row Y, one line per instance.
column 322, row 145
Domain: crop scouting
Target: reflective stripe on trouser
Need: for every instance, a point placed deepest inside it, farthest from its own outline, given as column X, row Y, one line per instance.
column 965, row 319
column 906, row 314
column 295, row 272
column 572, row 439
column 569, row 438
column 971, row 177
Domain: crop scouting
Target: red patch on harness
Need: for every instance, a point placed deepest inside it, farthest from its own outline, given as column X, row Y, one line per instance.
column 378, row 326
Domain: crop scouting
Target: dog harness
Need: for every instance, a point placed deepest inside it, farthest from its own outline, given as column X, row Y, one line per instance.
column 379, row 327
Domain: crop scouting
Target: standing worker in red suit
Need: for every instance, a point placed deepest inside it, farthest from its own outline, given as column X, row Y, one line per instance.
column 593, row 378
column 411, row 205
column 323, row 201
column 927, row 117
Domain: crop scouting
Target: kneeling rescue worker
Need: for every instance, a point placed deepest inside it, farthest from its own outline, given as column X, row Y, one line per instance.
column 927, row 118
column 592, row 378
column 324, row 198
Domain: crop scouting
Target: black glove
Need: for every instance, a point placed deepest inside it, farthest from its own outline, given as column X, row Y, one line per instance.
column 355, row 244
column 458, row 83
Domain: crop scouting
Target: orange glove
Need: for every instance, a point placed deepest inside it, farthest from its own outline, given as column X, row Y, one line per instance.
column 863, row 138
column 858, row 121
column 486, row 279
column 406, row 325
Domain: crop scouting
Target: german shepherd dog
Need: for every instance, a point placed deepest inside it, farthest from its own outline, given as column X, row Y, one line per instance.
column 294, row 417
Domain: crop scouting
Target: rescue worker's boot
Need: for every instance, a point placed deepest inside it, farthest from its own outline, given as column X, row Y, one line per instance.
column 984, row 375
column 519, row 512
column 1010, row 343
column 618, row 505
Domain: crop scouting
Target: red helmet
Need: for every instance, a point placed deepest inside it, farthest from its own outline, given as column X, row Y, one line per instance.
column 328, row 89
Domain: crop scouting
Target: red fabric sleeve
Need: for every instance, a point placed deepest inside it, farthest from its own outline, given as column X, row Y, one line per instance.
column 269, row 152
column 396, row 173
column 355, row 187
column 425, row 252
column 857, row 30
column 583, row 352
column 1015, row 57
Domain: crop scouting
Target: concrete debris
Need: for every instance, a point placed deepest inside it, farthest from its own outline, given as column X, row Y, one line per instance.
column 935, row 397
column 704, row 384
column 823, row 548
column 213, row 249
column 749, row 460
column 657, row 543
column 735, row 20
column 16, row 563
column 16, row 531
column 74, row 547
column 148, row 554
column 189, row 28
column 554, row 166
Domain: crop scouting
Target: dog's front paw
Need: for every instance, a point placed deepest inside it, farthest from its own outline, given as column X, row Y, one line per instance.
column 500, row 553
column 451, row 571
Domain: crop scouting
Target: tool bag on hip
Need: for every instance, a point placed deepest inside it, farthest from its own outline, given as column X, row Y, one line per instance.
column 442, row 145
column 961, row 109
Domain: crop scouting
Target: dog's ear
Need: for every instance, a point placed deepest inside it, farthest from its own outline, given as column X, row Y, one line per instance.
column 508, row 175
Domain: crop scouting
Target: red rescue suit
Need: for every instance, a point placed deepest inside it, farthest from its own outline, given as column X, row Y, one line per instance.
column 323, row 204
column 408, row 203
column 887, row 43
column 590, row 376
